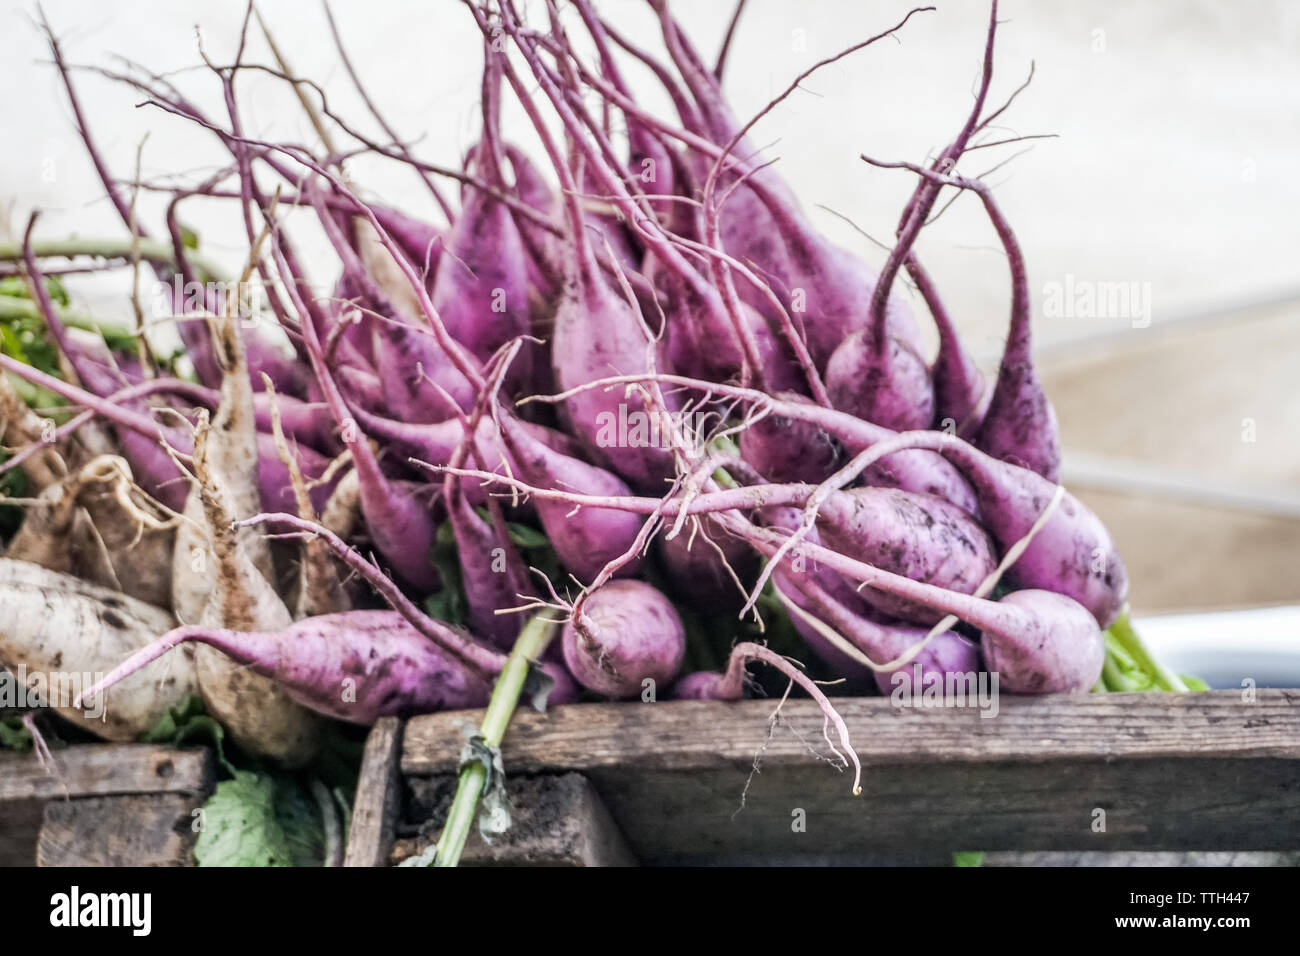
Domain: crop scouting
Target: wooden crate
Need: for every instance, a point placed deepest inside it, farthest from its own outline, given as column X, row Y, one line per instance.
column 664, row 783
column 104, row 805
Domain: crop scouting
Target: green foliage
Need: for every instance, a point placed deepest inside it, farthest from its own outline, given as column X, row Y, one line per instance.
column 260, row 819
column 13, row 735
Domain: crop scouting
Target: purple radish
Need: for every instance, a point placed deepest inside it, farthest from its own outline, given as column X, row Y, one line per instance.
column 918, row 536
column 626, row 634
column 585, row 539
column 1038, row 642
column 355, row 666
column 481, row 290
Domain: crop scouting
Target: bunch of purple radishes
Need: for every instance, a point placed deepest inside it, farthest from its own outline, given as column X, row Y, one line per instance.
column 635, row 348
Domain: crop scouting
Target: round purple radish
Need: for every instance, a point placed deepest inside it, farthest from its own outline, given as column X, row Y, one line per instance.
column 627, row 633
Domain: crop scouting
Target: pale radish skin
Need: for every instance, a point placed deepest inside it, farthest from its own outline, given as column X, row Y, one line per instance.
column 319, row 589
column 235, row 592
column 80, row 525
column 356, row 666
column 56, row 623
column 146, row 441
column 23, row 431
column 626, row 633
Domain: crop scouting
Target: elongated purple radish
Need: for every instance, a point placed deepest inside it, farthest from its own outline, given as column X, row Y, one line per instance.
column 595, row 330
column 627, row 634
column 416, row 376
column 545, row 257
column 881, row 379
column 960, row 393
column 481, row 290
column 783, row 449
column 1020, row 424
column 945, row 654
column 918, row 536
column 827, row 286
column 1071, row 554
column 1047, row 642
column 493, row 577
column 585, row 539
column 355, row 666
column 827, row 599
column 650, row 160
column 492, row 574
column 400, row 526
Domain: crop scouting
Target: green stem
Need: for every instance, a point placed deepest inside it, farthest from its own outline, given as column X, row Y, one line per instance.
column 1114, row 679
column 1122, row 631
column 12, row 307
column 150, row 250
column 529, row 647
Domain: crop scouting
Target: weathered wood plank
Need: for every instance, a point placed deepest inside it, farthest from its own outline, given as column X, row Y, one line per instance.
column 104, row 769
column 154, row 829
column 20, row 822
column 1157, row 771
column 375, row 808
column 556, row 820
column 689, row 734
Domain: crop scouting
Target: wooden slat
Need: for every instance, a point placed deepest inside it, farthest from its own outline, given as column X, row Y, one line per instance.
column 375, row 808
column 1171, row 772
column 689, row 734
column 20, row 822
column 104, row 769
column 556, row 820
column 153, row 829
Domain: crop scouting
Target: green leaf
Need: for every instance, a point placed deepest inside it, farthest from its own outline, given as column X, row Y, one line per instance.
column 239, row 826
column 13, row 735
column 968, row 859
column 260, row 819
column 189, row 723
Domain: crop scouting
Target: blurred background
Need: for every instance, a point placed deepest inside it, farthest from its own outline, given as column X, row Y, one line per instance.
column 1161, row 225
